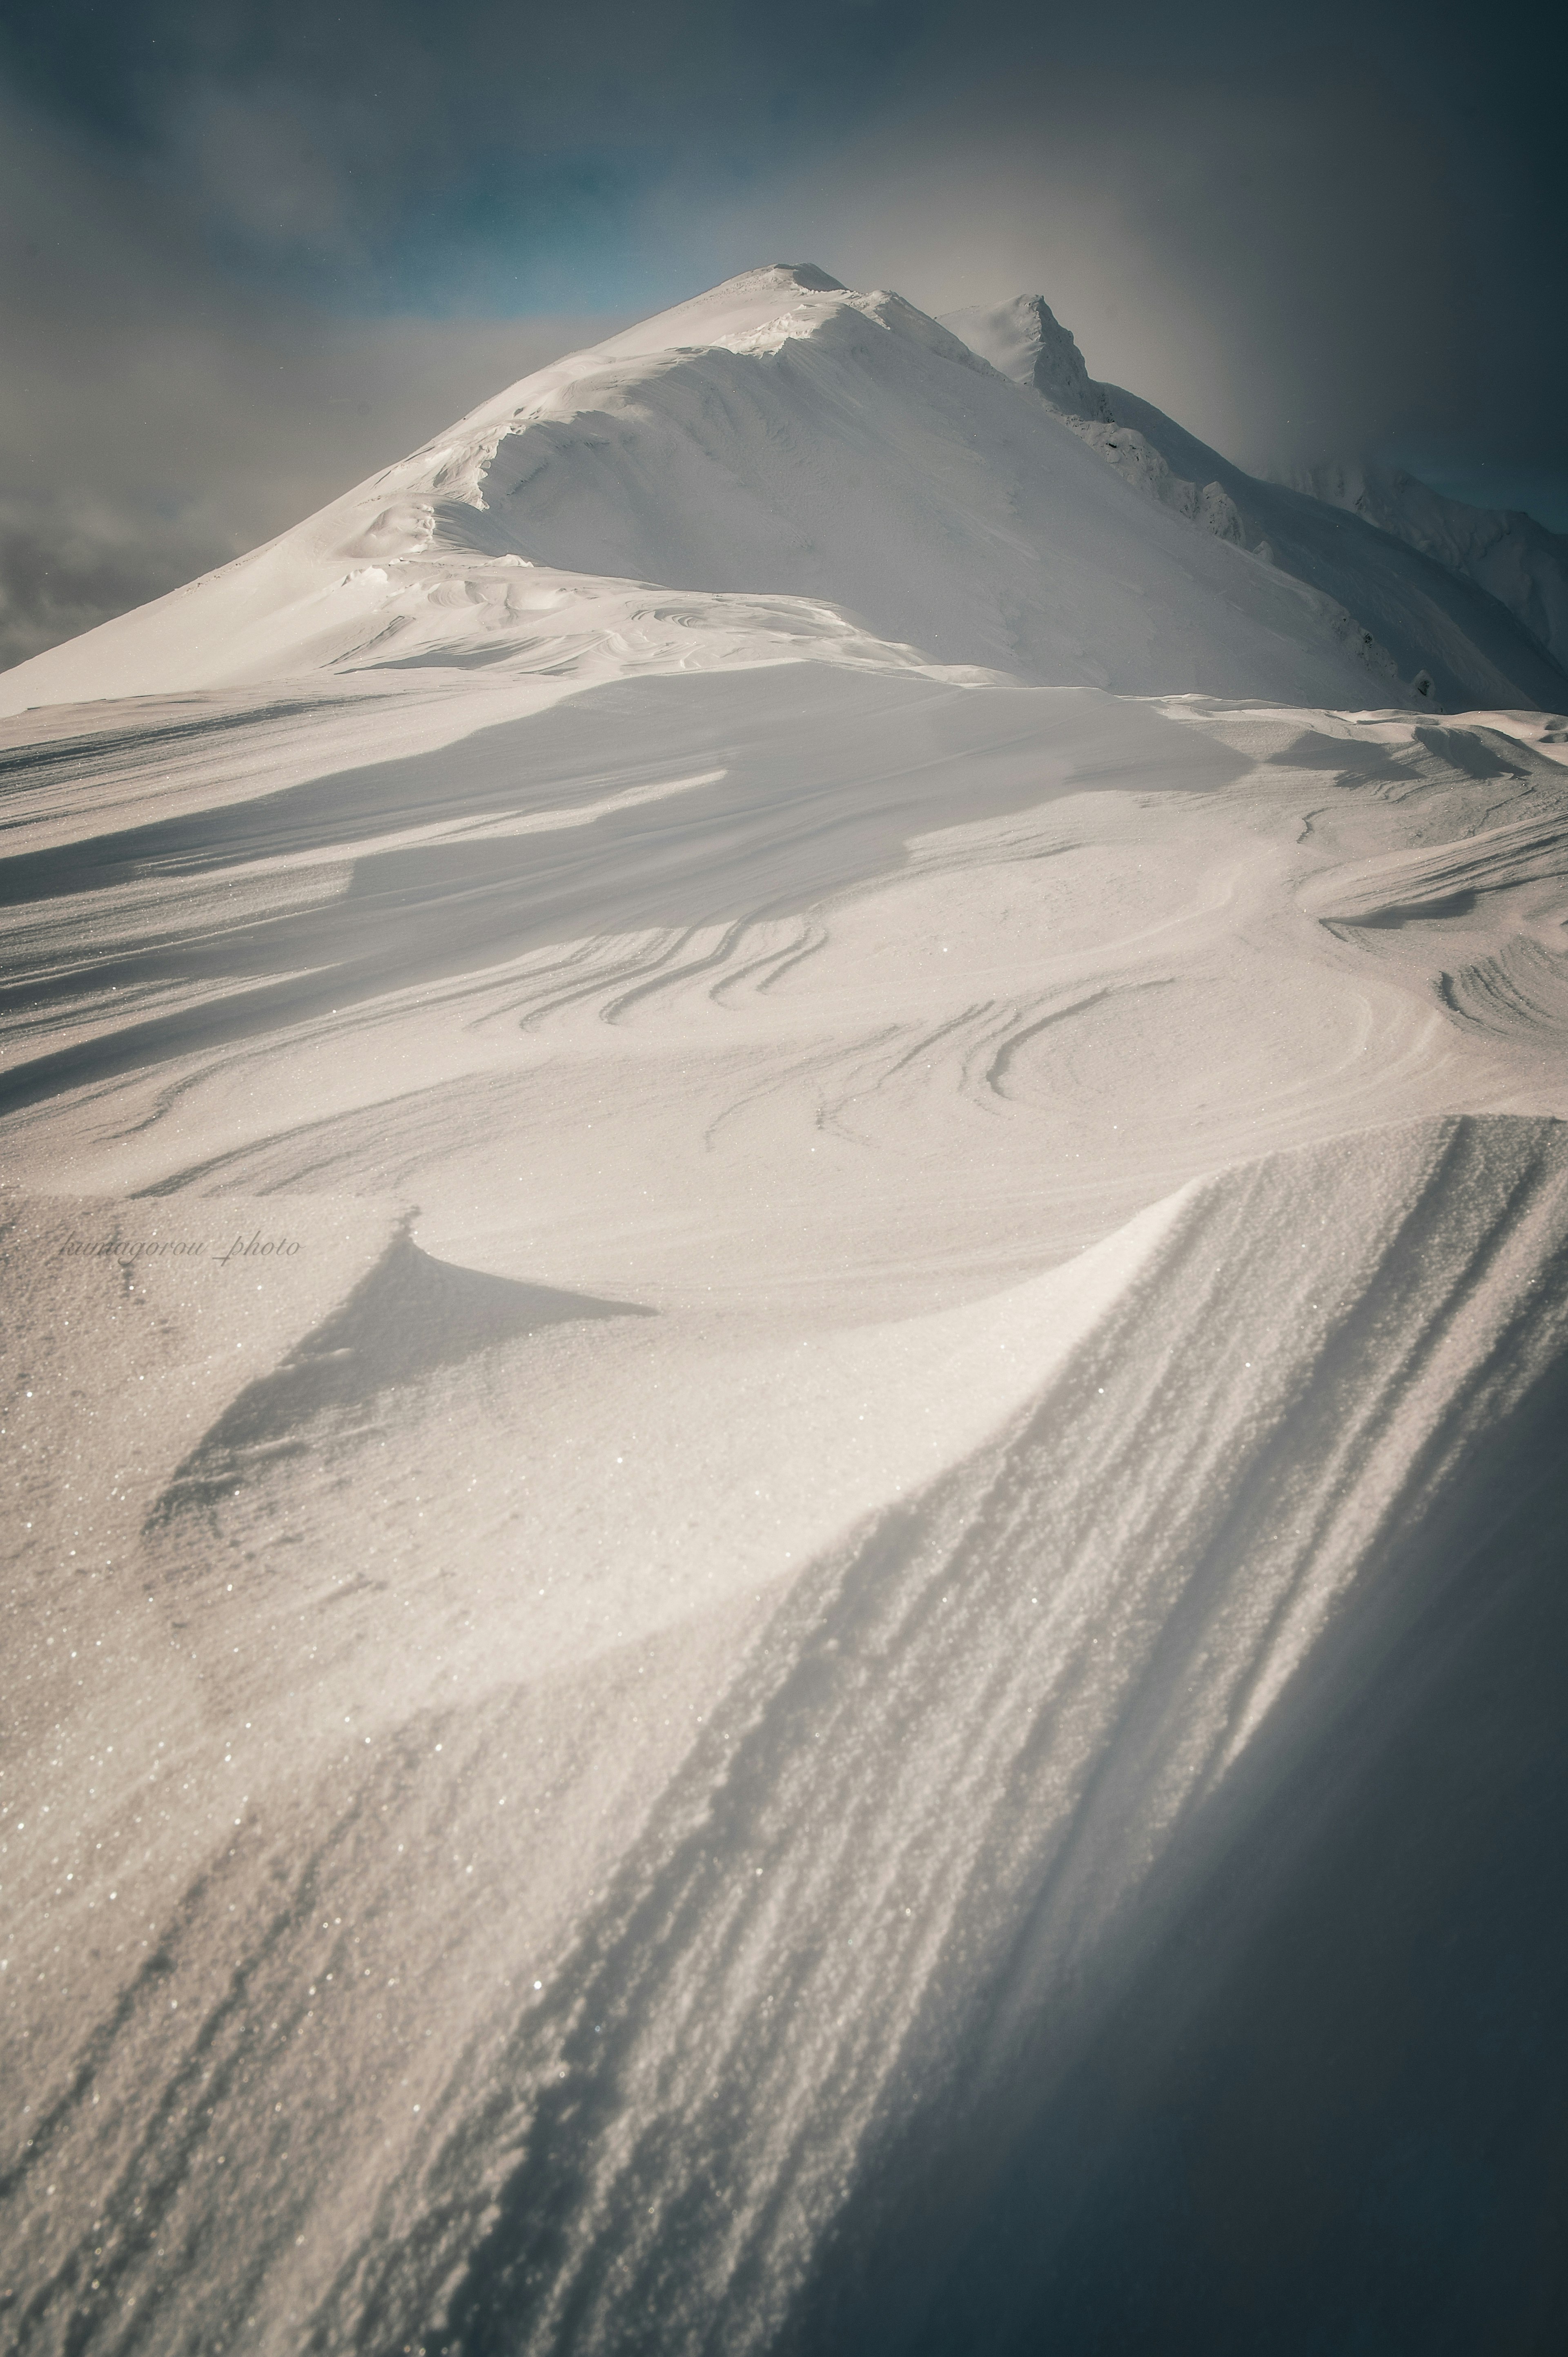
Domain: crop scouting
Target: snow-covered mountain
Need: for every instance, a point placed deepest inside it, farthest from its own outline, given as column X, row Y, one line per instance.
column 1515, row 559
column 786, row 464
column 785, row 1331
column 1436, row 612
column 1027, row 342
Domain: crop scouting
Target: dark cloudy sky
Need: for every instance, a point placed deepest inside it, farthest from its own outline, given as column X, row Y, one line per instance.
column 253, row 248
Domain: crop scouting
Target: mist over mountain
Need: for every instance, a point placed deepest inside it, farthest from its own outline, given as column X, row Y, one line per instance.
column 1421, row 612
column 1509, row 554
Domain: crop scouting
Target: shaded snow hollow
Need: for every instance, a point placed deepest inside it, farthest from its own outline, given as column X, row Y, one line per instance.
column 782, row 1401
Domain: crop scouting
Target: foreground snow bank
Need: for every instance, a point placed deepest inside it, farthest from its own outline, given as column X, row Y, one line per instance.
column 887, row 1825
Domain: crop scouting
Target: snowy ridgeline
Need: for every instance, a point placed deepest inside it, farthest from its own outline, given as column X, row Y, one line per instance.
column 1507, row 555
column 784, row 1572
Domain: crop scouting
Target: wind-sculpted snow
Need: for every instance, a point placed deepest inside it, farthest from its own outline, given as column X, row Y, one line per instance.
column 808, row 919
column 1486, row 911
column 945, row 1779
column 783, row 1424
column 711, row 1573
column 918, row 1841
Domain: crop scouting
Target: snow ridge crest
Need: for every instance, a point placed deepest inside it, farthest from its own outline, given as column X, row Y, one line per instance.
column 1025, row 341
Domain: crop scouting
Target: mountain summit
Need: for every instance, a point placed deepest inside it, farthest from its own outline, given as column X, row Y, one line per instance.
column 785, row 466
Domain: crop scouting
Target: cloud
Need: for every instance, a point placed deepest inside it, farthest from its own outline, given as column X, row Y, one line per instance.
column 156, row 420
column 381, row 152
column 181, row 447
column 270, row 169
column 1275, row 266
column 67, row 564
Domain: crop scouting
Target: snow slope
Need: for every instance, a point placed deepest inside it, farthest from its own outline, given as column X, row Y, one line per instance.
column 1516, row 560
column 779, row 466
column 887, row 1812
column 784, row 1569
column 1474, row 611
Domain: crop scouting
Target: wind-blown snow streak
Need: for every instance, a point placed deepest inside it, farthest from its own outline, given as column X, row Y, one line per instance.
column 969, row 1739
column 920, row 1818
column 790, row 921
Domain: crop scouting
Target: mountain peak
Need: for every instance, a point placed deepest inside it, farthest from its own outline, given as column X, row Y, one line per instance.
column 771, row 277
column 783, row 465
column 737, row 305
column 1023, row 339
column 806, row 274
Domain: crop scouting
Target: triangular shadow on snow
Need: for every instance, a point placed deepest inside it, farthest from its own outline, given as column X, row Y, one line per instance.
column 410, row 1316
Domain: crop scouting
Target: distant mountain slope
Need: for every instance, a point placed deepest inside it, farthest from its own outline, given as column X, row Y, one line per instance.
column 1467, row 621
column 783, row 467
column 1512, row 557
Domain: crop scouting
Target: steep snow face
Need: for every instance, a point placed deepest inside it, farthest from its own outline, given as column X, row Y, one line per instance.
column 1516, row 560
column 1025, row 340
column 1429, row 620
column 609, row 1920
column 780, row 467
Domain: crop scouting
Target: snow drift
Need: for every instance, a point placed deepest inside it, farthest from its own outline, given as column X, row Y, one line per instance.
column 935, row 1808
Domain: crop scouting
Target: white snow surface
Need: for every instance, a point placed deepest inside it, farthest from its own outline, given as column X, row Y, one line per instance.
column 1460, row 606
column 1520, row 562
column 708, row 1329
column 1027, row 341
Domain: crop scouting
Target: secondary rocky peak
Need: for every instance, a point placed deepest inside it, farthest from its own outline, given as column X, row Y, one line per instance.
column 806, row 273
column 1025, row 340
